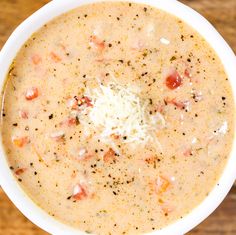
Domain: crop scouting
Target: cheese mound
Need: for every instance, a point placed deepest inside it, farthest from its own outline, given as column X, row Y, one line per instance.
column 119, row 111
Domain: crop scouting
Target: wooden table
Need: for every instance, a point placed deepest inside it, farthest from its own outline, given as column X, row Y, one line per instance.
column 222, row 14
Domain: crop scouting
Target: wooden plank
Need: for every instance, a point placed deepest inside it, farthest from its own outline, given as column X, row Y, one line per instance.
column 222, row 14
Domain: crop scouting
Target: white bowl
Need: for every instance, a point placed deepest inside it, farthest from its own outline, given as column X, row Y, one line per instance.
column 57, row 7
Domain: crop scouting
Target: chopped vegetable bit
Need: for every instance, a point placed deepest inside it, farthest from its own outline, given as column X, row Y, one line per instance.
column 20, row 171
column 58, row 135
column 188, row 152
column 187, row 73
column 32, row 93
column 178, row 104
column 20, row 141
column 110, row 155
column 71, row 121
column 79, row 192
column 72, row 103
column 56, row 58
column 85, row 100
column 96, row 43
column 23, row 114
column 83, row 155
column 173, row 80
column 36, row 59
column 161, row 184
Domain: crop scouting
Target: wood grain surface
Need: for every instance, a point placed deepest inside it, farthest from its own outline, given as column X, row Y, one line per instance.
column 222, row 14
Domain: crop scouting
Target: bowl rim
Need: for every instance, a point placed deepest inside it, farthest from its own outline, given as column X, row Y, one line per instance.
column 185, row 13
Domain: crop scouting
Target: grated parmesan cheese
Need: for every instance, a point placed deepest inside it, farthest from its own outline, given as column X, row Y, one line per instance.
column 118, row 110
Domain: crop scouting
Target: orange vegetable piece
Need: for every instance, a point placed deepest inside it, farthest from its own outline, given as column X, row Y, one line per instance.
column 20, row 141
column 161, row 184
column 36, row 59
column 109, row 155
column 20, row 171
column 80, row 192
column 56, row 58
column 96, row 43
column 32, row 93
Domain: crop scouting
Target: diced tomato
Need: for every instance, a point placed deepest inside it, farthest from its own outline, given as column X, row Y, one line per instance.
column 116, row 137
column 71, row 121
column 20, row 171
column 36, row 59
column 56, row 58
column 58, row 136
column 188, row 152
column 83, row 155
column 85, row 100
column 72, row 103
column 79, row 192
column 178, row 104
column 187, row 73
column 96, row 43
column 160, row 108
column 173, row 80
column 20, row 141
column 23, row 114
column 31, row 93
column 110, row 155
column 161, row 184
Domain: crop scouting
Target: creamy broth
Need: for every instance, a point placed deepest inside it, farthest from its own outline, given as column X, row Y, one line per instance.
column 117, row 118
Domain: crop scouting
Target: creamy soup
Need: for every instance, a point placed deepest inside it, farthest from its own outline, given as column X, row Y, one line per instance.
column 117, row 118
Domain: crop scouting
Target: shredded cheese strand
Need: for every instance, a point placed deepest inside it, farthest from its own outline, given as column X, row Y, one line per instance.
column 118, row 110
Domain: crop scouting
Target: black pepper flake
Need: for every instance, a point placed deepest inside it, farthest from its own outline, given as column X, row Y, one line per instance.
column 118, row 18
column 172, row 58
column 182, row 38
column 130, row 4
column 85, row 15
column 124, row 137
column 84, row 76
column 50, row 116
column 11, row 168
column 68, row 198
column 96, row 150
column 150, row 101
column 20, row 180
column 145, row 9
column 3, row 114
column 110, row 45
column 189, row 60
column 31, row 164
column 14, row 124
column 35, row 173
column 121, row 61
column 223, row 98
column 114, row 192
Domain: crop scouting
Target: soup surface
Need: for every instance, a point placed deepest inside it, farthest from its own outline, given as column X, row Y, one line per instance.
column 117, row 118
